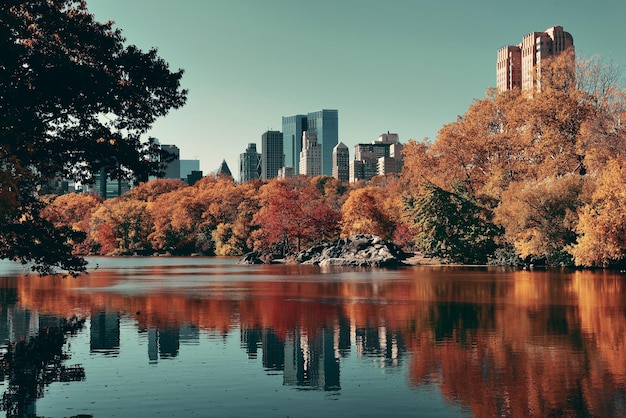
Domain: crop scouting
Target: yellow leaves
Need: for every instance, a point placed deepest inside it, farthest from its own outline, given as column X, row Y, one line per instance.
column 602, row 222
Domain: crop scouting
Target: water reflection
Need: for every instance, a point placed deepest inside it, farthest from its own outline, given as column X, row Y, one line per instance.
column 498, row 342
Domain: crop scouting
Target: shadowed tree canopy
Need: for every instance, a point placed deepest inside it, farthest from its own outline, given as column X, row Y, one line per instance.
column 73, row 99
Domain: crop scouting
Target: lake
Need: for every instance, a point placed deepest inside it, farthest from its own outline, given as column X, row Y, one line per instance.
column 207, row 337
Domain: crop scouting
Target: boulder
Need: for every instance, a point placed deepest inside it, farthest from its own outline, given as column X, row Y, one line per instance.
column 253, row 257
column 357, row 251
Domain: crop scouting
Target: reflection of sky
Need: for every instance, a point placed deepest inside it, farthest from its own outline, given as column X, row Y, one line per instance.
column 215, row 377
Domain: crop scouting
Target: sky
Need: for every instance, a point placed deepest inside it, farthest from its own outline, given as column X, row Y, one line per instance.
column 402, row 66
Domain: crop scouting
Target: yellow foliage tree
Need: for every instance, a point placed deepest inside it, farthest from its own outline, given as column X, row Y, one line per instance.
column 602, row 222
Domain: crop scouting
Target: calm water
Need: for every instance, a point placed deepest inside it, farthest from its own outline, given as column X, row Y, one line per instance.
column 207, row 337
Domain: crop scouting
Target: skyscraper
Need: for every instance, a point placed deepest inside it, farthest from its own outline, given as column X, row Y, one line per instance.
column 325, row 123
column 519, row 66
column 249, row 164
column 293, row 127
column 311, row 155
column 172, row 168
column 272, row 157
column 341, row 162
column 188, row 166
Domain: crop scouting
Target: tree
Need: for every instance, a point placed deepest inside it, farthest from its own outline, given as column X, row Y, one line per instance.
column 292, row 213
column 451, row 225
column 74, row 99
column 602, row 222
column 539, row 218
column 365, row 213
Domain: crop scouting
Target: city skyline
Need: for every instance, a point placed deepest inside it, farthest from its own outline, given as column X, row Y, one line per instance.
column 405, row 67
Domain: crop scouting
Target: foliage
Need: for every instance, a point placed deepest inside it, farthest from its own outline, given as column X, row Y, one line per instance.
column 602, row 221
column 540, row 217
column 451, row 225
column 74, row 100
column 292, row 213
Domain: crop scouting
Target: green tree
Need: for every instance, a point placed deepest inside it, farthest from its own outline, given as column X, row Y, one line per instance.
column 451, row 225
column 73, row 99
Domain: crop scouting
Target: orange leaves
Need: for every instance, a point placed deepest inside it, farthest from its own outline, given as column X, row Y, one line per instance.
column 292, row 213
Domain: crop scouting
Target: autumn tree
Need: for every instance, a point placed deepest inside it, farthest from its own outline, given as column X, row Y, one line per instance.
column 120, row 226
column 72, row 210
column 602, row 222
column 291, row 214
column 75, row 99
column 364, row 212
column 540, row 217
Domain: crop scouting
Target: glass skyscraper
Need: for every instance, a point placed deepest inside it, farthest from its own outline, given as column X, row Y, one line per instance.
column 272, row 156
column 324, row 124
column 293, row 127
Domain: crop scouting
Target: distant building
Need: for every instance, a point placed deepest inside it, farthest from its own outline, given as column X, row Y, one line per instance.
column 286, row 172
column 377, row 158
column 519, row 66
column 106, row 187
column 223, row 170
column 324, row 123
column 172, row 168
column 193, row 177
column 311, row 155
column 293, row 128
column 272, row 157
column 249, row 164
column 187, row 167
column 341, row 162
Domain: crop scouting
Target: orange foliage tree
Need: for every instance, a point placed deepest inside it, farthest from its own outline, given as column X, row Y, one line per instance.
column 73, row 210
column 292, row 213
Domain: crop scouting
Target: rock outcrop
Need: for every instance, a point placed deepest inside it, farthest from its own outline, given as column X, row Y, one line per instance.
column 357, row 251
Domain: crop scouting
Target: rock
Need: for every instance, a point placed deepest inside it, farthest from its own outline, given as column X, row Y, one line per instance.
column 253, row 257
column 357, row 251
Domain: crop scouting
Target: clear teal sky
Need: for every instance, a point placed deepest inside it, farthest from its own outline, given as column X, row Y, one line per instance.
column 396, row 65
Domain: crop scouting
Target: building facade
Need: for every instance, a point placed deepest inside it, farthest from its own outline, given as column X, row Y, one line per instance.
column 377, row 158
column 341, row 162
column 272, row 157
column 519, row 66
column 249, row 164
column 311, row 155
column 187, row 167
column 293, row 128
column 325, row 123
column 172, row 167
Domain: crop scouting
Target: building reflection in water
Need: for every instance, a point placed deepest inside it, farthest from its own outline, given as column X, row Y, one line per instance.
column 104, row 333
column 312, row 361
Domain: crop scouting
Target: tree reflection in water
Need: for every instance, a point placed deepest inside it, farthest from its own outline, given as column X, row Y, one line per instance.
column 33, row 363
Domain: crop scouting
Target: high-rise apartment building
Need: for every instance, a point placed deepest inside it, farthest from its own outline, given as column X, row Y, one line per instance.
column 519, row 66
column 249, row 164
column 293, row 128
column 272, row 157
column 324, row 123
column 311, row 155
column 341, row 162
